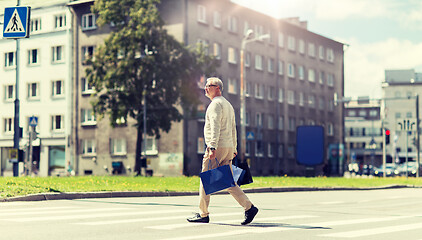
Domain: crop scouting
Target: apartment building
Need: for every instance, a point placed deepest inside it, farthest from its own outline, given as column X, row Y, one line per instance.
column 45, row 90
column 291, row 80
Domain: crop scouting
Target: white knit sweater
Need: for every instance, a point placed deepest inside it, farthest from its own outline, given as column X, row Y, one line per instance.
column 220, row 124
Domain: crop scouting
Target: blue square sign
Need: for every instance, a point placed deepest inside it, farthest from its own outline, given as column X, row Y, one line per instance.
column 16, row 22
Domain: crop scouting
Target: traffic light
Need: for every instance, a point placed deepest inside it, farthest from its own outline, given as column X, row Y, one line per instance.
column 387, row 136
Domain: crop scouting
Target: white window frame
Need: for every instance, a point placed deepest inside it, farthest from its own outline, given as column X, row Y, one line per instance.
column 36, row 25
column 270, row 93
column 151, row 146
column 88, row 52
column 321, row 103
column 258, row 119
column 10, row 63
column 270, row 150
column 259, row 91
column 280, row 67
column 270, row 66
column 60, row 21
column 259, row 152
column 270, row 122
column 330, row 80
column 290, row 70
column 87, row 117
column 311, row 75
column 301, row 72
column 217, row 19
column 311, row 101
column 321, row 77
column 86, row 87
column 89, row 147
column 33, row 57
column 330, row 55
column 280, row 123
column 291, row 97
column 247, row 89
column 232, row 55
column 301, row 46
column 280, row 95
column 58, row 54
column 232, row 86
column 281, row 39
column 118, row 146
column 202, row 14
column 8, row 126
column 33, row 93
column 259, row 31
column 311, row 50
column 88, row 22
column 54, row 88
column 247, row 59
column 9, row 94
column 232, row 24
column 330, row 129
column 258, row 62
column 217, row 50
column 321, row 52
column 291, row 43
column 54, row 120
column 292, row 124
column 301, row 99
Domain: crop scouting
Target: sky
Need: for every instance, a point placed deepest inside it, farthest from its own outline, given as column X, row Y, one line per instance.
column 380, row 34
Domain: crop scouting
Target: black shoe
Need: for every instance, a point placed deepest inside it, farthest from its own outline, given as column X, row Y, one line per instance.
column 249, row 215
column 198, row 219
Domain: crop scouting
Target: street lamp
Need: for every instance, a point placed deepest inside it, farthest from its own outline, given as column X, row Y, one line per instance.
column 246, row 39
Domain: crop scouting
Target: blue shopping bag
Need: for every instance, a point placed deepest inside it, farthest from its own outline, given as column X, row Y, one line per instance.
column 217, row 179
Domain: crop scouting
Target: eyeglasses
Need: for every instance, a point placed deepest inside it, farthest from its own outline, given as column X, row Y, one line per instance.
column 208, row 86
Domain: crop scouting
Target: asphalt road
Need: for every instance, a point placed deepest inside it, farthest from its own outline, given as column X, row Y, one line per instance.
column 375, row 214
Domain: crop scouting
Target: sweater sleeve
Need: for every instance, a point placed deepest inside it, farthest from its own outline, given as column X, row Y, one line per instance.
column 234, row 134
column 215, row 116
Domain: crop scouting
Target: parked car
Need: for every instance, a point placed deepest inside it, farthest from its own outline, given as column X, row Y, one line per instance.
column 389, row 170
column 411, row 169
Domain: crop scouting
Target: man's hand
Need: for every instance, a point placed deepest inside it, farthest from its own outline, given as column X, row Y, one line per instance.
column 212, row 154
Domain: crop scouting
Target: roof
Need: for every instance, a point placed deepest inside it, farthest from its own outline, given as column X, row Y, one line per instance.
column 77, row 2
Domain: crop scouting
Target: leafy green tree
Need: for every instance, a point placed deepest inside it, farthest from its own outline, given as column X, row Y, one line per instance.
column 140, row 60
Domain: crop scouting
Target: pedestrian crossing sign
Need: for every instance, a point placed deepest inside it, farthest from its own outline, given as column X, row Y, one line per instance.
column 33, row 121
column 16, row 22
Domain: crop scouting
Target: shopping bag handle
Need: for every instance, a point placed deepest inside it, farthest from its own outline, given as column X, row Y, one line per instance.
column 209, row 163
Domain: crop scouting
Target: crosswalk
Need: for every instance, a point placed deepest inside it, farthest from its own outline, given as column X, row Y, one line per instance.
column 169, row 222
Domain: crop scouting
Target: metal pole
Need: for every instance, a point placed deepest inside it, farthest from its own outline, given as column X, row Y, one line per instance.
column 407, row 153
column 417, row 136
column 242, row 105
column 145, row 127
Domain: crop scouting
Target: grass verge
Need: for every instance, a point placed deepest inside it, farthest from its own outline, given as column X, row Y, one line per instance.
column 19, row 186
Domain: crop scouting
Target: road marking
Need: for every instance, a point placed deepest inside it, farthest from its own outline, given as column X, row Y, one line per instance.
column 151, row 219
column 374, row 231
column 43, row 211
column 182, row 225
column 86, row 216
column 330, row 203
column 33, row 209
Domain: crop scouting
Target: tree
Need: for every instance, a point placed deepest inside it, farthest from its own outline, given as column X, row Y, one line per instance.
column 141, row 61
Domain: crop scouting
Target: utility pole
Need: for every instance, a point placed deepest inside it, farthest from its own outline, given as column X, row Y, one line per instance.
column 417, row 136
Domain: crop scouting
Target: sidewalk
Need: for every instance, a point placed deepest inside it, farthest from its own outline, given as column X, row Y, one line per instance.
column 82, row 195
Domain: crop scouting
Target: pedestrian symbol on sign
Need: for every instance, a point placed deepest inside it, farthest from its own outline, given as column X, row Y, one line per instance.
column 33, row 121
column 15, row 24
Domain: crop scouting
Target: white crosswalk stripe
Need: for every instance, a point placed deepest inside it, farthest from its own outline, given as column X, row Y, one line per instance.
column 374, row 231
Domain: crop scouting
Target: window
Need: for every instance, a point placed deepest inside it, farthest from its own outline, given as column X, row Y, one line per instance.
column 311, row 50
column 10, row 59
column 280, row 95
column 321, row 77
column 259, row 149
column 311, row 75
column 311, row 101
column 202, row 14
column 330, row 129
column 58, row 54
column 291, row 70
column 321, row 52
column 259, row 31
column 88, row 117
column 204, row 45
column 280, row 68
column 280, row 39
column 217, row 19
column 330, row 55
column 9, row 93
column 33, row 56
column 232, row 27
column 374, row 113
column 291, row 97
column 151, row 146
column 301, row 72
column 57, row 88
column 86, row 87
column 398, row 115
column 270, row 65
column 291, row 43
column 247, row 89
column 259, row 119
column 321, row 103
column 270, row 122
column 330, row 80
column 33, row 91
column 88, row 22
column 292, row 124
column 301, row 46
column 291, row 151
column 232, row 55
column 280, row 123
column 281, row 150
column 270, row 150
column 35, row 25
column 301, row 99
column 118, row 146
column 201, row 146
column 60, row 21
column 8, row 125
column 248, row 148
column 247, row 118
column 259, row 91
column 232, row 86
column 247, row 59
column 88, row 147
column 331, row 105
column 57, row 123
column 258, row 62
column 352, row 113
column 246, row 28
column 270, row 93
column 87, row 52
column 217, row 51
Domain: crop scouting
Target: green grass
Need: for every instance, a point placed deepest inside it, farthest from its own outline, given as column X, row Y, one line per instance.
column 18, row 186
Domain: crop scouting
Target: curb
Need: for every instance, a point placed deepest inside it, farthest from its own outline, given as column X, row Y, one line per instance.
column 71, row 196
